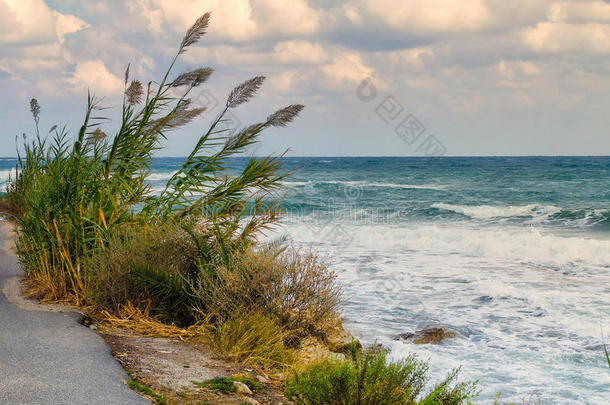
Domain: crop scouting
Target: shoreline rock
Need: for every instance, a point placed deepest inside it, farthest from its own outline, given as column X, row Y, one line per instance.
column 427, row 335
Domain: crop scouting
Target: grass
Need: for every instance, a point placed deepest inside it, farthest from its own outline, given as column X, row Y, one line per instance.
column 251, row 339
column 147, row 391
column 225, row 384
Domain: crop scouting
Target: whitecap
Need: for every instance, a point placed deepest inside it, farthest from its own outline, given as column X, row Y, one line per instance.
column 486, row 212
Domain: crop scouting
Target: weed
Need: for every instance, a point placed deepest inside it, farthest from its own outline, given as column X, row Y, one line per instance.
column 146, row 390
column 225, row 384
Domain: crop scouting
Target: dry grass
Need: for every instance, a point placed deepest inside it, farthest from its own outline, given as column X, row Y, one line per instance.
column 251, row 339
column 295, row 288
column 132, row 318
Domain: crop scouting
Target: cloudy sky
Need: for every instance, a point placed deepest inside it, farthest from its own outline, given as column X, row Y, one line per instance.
column 383, row 77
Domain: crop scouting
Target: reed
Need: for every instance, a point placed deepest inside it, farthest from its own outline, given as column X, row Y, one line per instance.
column 71, row 195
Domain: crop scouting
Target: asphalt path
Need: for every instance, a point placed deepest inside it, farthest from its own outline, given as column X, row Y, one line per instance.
column 49, row 357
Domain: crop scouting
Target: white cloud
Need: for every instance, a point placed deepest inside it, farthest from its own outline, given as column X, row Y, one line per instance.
column 431, row 16
column 95, row 76
column 515, row 69
column 29, row 22
column 579, row 12
column 26, row 22
column 554, row 37
column 67, row 24
column 410, row 59
column 299, row 52
column 235, row 20
column 346, row 70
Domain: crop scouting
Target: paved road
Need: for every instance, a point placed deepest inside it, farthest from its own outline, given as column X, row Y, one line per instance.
column 49, row 358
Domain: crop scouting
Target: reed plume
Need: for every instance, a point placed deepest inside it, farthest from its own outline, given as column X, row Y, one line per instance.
column 193, row 78
column 194, row 33
column 134, row 92
column 245, row 91
column 283, row 116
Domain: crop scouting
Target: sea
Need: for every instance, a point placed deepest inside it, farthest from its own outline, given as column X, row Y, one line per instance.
column 511, row 253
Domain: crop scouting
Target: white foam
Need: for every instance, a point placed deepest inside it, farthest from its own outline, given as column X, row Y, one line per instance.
column 486, row 212
column 295, row 183
column 6, row 174
column 157, row 176
column 365, row 184
column 521, row 245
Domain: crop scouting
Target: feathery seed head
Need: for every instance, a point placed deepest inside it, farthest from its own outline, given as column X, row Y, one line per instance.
column 194, row 33
column 282, row 117
column 35, row 108
column 97, row 135
column 193, row 78
column 245, row 91
column 134, row 92
column 180, row 116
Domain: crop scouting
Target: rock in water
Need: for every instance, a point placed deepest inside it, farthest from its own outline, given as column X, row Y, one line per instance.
column 433, row 335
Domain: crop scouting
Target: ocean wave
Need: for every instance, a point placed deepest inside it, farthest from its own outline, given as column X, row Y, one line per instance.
column 366, row 184
column 158, row 176
column 521, row 245
column 485, row 212
column 531, row 214
column 5, row 174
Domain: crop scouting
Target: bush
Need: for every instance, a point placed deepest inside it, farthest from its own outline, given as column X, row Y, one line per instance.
column 136, row 263
column 368, row 378
column 294, row 288
column 252, row 339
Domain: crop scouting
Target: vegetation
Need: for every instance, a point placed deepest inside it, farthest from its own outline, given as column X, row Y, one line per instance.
column 369, row 378
column 92, row 232
column 187, row 259
column 146, row 390
column 225, row 384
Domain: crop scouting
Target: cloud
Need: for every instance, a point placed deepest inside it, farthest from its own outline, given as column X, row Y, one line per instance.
column 67, row 24
column 444, row 58
column 580, row 12
column 432, row 16
column 234, row 20
column 345, row 71
column 299, row 52
column 554, row 37
column 93, row 75
column 31, row 22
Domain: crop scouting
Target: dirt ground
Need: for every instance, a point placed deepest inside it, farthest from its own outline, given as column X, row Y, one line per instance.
column 169, row 367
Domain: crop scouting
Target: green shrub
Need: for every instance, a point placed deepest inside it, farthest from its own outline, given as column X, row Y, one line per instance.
column 369, row 378
column 144, row 265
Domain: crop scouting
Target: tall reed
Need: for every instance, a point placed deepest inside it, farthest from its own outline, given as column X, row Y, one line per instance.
column 72, row 194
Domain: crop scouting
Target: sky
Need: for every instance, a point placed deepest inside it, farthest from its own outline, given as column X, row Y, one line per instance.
column 383, row 77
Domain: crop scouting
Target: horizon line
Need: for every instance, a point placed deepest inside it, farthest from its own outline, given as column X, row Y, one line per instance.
column 373, row 156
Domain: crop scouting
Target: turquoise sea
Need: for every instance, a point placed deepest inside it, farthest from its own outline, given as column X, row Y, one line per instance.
column 513, row 253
